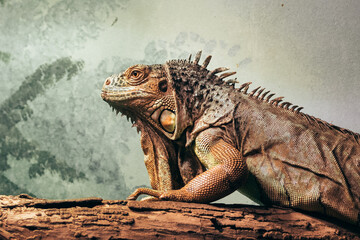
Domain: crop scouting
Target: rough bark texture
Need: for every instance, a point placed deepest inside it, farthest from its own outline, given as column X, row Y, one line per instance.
column 23, row 217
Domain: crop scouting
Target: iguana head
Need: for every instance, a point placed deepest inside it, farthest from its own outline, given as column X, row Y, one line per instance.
column 170, row 96
column 142, row 92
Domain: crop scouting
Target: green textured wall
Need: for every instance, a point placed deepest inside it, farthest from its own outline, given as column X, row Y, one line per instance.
column 58, row 139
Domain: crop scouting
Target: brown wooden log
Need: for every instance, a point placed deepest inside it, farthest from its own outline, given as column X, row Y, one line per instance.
column 23, row 217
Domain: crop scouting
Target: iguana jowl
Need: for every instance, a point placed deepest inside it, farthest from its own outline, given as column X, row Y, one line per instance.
column 203, row 139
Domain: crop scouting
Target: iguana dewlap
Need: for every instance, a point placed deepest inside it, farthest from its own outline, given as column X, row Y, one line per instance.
column 203, row 138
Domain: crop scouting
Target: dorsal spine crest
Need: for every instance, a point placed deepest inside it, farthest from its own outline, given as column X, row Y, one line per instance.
column 257, row 93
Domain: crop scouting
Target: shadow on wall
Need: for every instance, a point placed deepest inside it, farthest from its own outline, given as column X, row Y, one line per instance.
column 15, row 109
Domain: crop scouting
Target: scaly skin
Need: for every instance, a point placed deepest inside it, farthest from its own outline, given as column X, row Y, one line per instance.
column 203, row 139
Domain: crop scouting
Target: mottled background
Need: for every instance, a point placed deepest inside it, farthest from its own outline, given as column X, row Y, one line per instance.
column 58, row 139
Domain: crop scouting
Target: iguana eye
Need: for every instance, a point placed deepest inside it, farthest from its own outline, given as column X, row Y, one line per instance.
column 135, row 74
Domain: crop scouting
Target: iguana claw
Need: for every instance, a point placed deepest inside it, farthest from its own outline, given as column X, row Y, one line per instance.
column 148, row 191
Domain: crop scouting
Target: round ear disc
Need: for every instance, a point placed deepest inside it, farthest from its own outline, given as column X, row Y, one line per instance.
column 167, row 120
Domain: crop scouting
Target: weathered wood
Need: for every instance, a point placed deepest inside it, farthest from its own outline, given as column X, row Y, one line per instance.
column 23, row 217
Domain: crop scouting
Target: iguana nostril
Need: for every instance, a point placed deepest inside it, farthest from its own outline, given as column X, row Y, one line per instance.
column 107, row 82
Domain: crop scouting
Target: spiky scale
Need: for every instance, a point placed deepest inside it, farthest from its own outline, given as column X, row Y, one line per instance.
column 299, row 109
column 224, row 75
column 244, row 85
column 206, row 61
column 293, row 107
column 197, row 57
column 285, row 105
column 263, row 95
column 258, row 93
column 215, row 71
column 253, row 91
column 232, row 81
column 245, row 89
column 276, row 100
column 268, row 97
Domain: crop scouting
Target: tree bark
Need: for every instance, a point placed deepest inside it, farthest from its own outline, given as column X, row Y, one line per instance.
column 24, row 217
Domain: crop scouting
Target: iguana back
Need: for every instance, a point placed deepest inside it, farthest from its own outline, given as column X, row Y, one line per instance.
column 297, row 160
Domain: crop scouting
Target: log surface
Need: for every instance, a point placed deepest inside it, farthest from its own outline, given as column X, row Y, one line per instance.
column 24, row 217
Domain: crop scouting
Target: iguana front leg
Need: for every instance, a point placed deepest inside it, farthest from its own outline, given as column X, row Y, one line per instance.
column 226, row 171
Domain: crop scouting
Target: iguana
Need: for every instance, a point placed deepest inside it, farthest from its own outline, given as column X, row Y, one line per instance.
column 203, row 139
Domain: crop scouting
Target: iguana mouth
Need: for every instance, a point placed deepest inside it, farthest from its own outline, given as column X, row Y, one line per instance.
column 119, row 100
column 110, row 94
